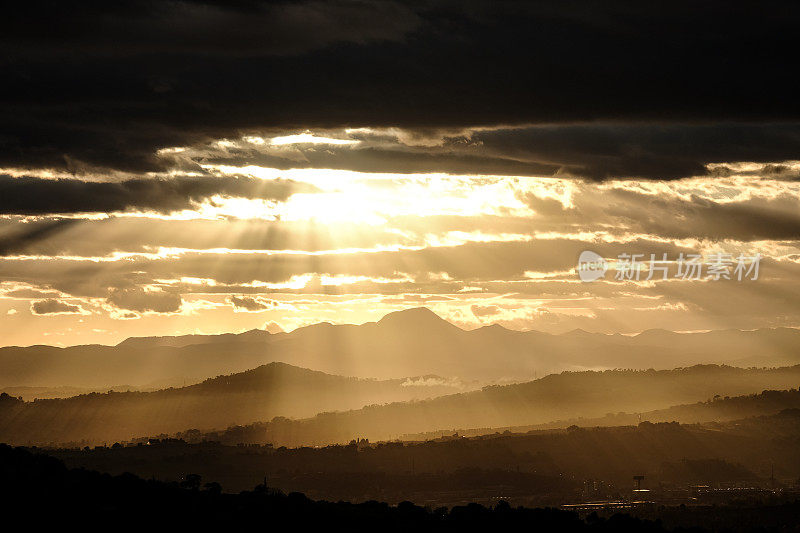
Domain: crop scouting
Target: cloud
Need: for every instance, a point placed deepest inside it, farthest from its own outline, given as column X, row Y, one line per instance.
column 55, row 307
column 212, row 28
column 481, row 311
column 742, row 208
column 748, row 219
column 466, row 264
column 118, row 314
column 21, row 236
column 38, row 196
column 251, row 305
column 142, row 300
column 651, row 150
column 185, row 73
column 433, row 381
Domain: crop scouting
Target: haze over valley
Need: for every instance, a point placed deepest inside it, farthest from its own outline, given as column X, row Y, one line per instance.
column 284, row 404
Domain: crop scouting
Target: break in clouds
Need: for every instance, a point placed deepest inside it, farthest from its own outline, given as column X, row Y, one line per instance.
column 258, row 164
column 485, row 250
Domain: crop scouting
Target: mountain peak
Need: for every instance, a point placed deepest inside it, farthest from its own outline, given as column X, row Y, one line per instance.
column 655, row 333
column 577, row 332
column 415, row 317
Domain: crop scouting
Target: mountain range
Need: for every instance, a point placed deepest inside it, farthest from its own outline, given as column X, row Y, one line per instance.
column 413, row 342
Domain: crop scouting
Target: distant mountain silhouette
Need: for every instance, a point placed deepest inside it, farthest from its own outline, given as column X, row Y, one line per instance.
column 275, row 389
column 419, row 320
column 254, row 335
column 403, row 343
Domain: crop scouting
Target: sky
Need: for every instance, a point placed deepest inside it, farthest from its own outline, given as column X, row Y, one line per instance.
column 204, row 167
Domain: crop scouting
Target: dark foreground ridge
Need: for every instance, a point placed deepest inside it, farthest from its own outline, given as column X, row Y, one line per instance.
column 40, row 487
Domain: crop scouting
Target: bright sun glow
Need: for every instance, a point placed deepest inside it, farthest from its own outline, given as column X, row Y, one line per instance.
column 307, row 138
column 373, row 198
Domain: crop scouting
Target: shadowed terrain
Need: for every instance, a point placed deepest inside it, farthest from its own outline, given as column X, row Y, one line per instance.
column 556, row 397
column 278, row 404
column 91, row 500
column 258, row 394
column 534, row 468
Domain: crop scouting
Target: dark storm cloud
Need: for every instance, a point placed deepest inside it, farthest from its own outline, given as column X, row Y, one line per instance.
column 660, row 151
column 247, row 303
column 139, row 299
column 39, row 196
column 54, row 307
column 596, row 151
column 396, row 159
column 107, row 84
column 205, row 27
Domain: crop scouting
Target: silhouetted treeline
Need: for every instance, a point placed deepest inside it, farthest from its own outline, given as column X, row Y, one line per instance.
column 43, row 493
column 40, row 488
column 537, row 468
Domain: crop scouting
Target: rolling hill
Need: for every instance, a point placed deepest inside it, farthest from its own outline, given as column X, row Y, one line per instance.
column 275, row 389
column 285, row 405
column 556, row 397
